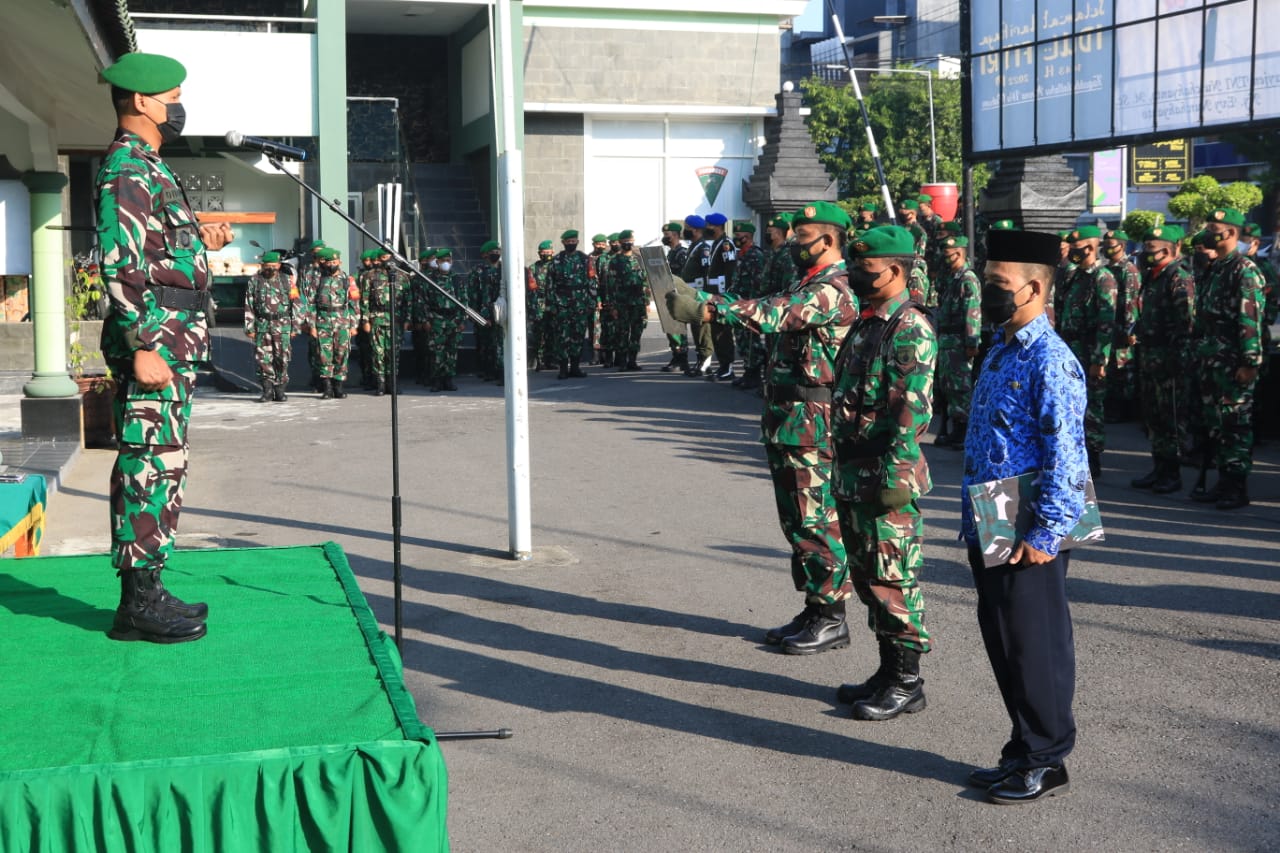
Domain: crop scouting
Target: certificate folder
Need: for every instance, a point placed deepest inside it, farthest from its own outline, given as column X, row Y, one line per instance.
column 1003, row 512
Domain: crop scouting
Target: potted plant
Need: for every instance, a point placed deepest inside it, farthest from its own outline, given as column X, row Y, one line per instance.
column 85, row 307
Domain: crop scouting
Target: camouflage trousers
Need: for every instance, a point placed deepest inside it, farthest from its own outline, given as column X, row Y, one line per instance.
column 955, row 377
column 272, row 352
column 1095, row 431
column 1163, row 407
column 313, row 356
column 150, row 471
column 629, row 328
column 608, row 337
column 571, row 325
column 750, row 346
column 1227, row 412
column 488, row 350
column 381, row 336
column 886, row 556
column 1122, row 377
column 807, row 515
column 333, row 346
column 443, row 343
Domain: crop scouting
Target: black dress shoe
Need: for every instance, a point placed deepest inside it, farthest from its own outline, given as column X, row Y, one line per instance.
column 987, row 776
column 819, row 634
column 774, row 636
column 1027, row 786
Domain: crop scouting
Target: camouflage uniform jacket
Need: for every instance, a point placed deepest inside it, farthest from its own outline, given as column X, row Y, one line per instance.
column 539, row 282
column 883, row 403
column 333, row 299
column 485, row 286
column 378, row 288
column 439, row 305
column 748, row 275
column 268, row 304
column 959, row 312
column 630, row 286
column 149, row 236
column 918, row 284
column 1167, row 316
column 1128, row 298
column 1087, row 313
column 810, row 320
column 779, row 271
column 417, row 296
column 1229, row 313
column 602, row 275
column 571, row 287
column 920, row 236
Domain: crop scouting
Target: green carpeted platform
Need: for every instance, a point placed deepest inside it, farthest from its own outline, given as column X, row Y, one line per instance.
column 288, row 727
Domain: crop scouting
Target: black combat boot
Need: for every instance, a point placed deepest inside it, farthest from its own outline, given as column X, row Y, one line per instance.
column 446, row 384
column 752, row 380
column 679, row 361
column 1232, row 492
column 378, row 387
column 266, row 394
column 1205, row 495
column 196, row 611
column 279, row 392
column 1095, row 463
column 904, row 694
column 1149, row 479
column 847, row 694
column 774, row 636
column 338, row 392
column 958, row 434
column 564, row 370
column 575, row 370
column 1169, row 479
column 326, row 389
column 142, row 616
column 826, row 629
column 631, row 363
column 437, row 384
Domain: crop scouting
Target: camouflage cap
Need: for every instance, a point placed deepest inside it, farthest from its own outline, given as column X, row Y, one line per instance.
column 490, row 246
column 1167, row 233
column 328, row 254
column 571, row 234
column 1003, row 225
column 822, row 213
column 744, row 227
column 1252, row 229
column 887, row 241
column 271, row 257
column 1085, row 232
column 145, row 73
column 956, row 243
column 600, row 238
column 908, row 204
column 545, row 245
column 1227, row 216
column 1116, row 234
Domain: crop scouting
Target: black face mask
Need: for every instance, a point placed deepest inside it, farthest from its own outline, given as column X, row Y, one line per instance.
column 627, row 247
column 175, row 118
column 545, row 256
column 803, row 255
column 1078, row 256
column 864, row 283
column 571, row 246
column 999, row 305
column 493, row 257
column 1213, row 239
column 267, row 273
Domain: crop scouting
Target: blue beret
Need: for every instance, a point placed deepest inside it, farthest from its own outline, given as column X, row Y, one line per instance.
column 717, row 219
column 695, row 221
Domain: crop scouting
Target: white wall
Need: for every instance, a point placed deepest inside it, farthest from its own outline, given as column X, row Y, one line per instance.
column 15, row 229
column 246, row 189
column 262, row 84
column 475, row 78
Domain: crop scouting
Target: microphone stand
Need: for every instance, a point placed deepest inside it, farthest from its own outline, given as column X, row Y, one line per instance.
column 397, row 580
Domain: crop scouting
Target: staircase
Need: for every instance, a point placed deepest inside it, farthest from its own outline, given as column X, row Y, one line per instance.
column 450, row 211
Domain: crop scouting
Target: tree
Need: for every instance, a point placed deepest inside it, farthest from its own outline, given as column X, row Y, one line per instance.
column 898, row 106
column 1200, row 195
column 1140, row 223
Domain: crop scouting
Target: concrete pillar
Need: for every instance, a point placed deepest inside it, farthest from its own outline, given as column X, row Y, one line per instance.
column 48, row 288
column 331, row 118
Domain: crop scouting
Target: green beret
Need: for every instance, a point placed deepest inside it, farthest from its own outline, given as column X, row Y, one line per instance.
column 1168, row 233
column 1252, row 229
column 1116, row 235
column 571, row 234
column 870, row 207
column 1065, row 236
column 887, row 241
column 490, row 246
column 145, row 73
column 822, row 213
column 1003, row 225
column 317, row 244
column 599, row 238
column 368, row 254
column 1085, row 232
column 953, row 227
column 271, row 257
column 956, row 243
column 744, row 227
column 328, row 254
column 1227, row 216
column 780, row 222
column 544, row 246
column 626, row 235
column 909, row 204
column 426, row 254
column 677, row 227
column 924, row 198
column 613, row 238
column 444, row 253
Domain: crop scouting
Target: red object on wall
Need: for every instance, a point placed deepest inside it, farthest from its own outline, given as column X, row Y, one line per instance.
column 946, row 199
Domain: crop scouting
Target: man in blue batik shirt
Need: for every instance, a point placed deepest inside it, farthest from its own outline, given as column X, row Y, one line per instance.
column 1027, row 416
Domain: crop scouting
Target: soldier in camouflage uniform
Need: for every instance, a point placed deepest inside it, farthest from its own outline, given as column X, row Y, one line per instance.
column 918, row 284
column 1120, row 372
column 362, row 344
column 748, row 283
column 629, row 301
column 1086, row 319
column 1164, row 338
column 269, row 301
column 153, row 338
column 570, row 302
column 538, row 281
column 384, row 284
column 485, row 286
column 417, row 318
column 934, row 229
column 604, row 330
column 677, row 255
column 1251, row 242
column 1229, row 309
column 807, row 323
column 308, row 281
column 779, row 274
column 959, row 319
column 882, row 405
column 335, row 313
column 447, row 321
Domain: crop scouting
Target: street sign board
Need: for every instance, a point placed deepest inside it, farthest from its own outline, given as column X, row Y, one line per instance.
column 1165, row 163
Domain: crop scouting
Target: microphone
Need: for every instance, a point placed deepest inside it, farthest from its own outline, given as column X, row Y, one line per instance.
column 236, row 139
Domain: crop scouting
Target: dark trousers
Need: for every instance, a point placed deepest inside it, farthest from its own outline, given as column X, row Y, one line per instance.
column 1026, row 628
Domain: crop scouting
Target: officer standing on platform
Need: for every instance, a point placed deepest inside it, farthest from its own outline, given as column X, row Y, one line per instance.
column 269, row 301
column 154, row 337
column 677, row 254
column 810, row 320
column 959, row 319
column 1027, row 417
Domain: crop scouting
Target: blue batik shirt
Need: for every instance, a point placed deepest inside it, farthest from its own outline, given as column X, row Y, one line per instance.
column 1028, row 415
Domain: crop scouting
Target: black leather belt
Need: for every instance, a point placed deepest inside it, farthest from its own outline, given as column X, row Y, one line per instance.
column 178, row 298
column 799, row 394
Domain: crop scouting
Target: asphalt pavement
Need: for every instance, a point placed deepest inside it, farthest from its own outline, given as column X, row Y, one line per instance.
column 627, row 655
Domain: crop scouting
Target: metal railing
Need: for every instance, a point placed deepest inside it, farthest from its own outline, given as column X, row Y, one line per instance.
column 235, row 23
